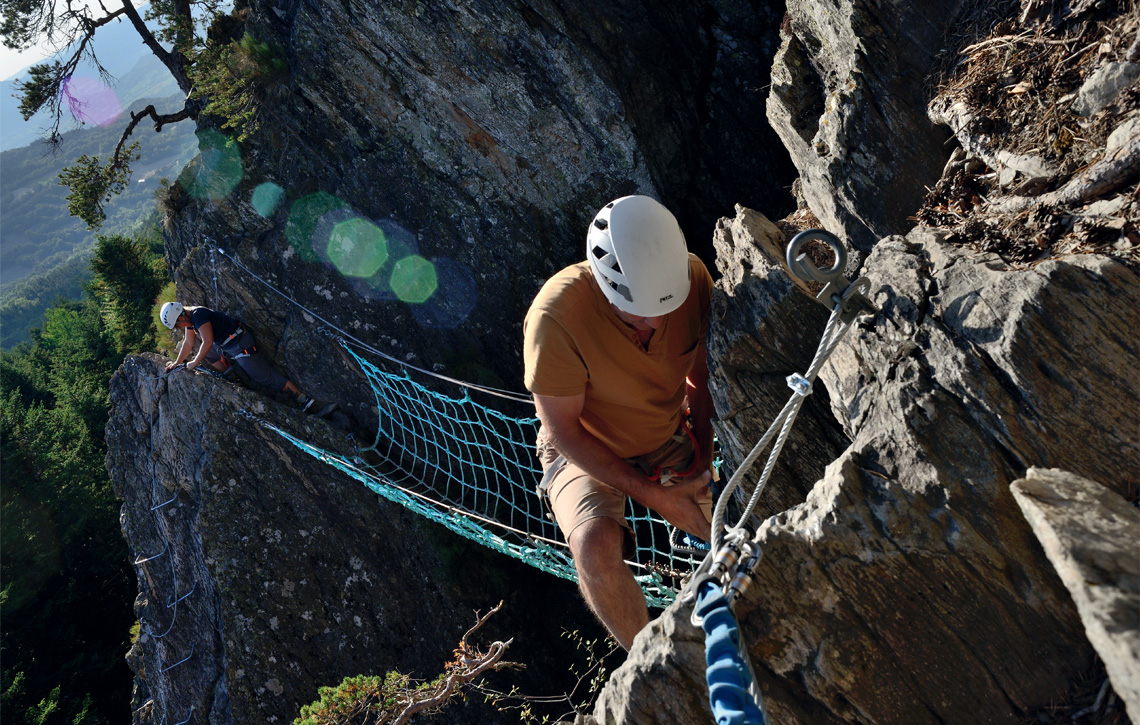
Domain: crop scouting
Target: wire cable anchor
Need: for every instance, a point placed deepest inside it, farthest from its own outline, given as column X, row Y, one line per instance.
column 837, row 290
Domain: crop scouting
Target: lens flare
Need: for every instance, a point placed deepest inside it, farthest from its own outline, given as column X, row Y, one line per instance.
column 401, row 244
column 413, row 279
column 454, row 298
column 266, row 197
column 304, row 218
column 89, row 100
column 357, row 247
column 218, row 168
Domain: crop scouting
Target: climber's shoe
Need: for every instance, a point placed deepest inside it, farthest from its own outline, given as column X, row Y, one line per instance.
column 304, row 402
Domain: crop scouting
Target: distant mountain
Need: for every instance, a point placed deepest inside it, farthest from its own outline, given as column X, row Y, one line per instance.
column 37, row 237
column 138, row 74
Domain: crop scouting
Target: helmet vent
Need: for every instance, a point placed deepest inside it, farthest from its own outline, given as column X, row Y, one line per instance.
column 621, row 289
column 601, row 224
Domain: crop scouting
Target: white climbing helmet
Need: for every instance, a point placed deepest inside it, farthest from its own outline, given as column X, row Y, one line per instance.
column 169, row 314
column 638, row 255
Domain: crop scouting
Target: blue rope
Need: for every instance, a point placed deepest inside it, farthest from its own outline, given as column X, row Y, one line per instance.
column 729, row 675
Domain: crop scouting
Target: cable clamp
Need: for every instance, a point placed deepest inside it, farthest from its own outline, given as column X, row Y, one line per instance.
column 800, row 384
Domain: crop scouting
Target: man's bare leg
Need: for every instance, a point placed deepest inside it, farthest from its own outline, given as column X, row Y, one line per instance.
column 606, row 581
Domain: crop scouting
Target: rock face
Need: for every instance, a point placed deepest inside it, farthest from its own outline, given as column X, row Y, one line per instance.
column 483, row 136
column 900, row 581
column 848, row 100
column 267, row 573
column 1090, row 534
column 908, row 587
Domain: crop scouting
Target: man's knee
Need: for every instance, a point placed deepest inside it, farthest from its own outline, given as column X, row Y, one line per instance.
column 597, row 543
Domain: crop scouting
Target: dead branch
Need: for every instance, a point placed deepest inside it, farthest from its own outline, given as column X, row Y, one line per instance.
column 160, row 120
column 469, row 664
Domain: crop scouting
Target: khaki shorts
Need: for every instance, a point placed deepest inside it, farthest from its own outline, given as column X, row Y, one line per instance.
column 575, row 497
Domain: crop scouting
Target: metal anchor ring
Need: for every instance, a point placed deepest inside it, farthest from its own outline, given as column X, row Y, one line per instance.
column 805, row 269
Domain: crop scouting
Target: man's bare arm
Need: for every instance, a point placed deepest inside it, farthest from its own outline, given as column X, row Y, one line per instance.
column 561, row 417
column 188, row 339
column 206, row 332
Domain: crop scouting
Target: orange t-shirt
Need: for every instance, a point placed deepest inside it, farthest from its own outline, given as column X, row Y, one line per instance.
column 574, row 343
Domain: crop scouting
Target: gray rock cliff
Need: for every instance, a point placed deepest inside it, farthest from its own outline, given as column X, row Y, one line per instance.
column 1090, row 534
column 849, row 102
column 900, row 582
column 265, row 573
column 907, row 587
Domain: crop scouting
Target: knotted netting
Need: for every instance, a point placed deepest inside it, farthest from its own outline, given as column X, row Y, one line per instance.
column 473, row 469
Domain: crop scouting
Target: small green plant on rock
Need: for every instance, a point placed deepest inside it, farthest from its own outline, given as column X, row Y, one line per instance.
column 233, row 78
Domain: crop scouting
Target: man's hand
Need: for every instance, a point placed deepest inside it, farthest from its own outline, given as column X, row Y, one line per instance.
column 679, row 504
column 169, row 365
column 192, row 364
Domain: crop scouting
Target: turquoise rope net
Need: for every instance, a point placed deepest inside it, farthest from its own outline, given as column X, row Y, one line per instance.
column 473, row 469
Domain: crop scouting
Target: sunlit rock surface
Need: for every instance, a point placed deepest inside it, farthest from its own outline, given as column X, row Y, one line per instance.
column 1091, row 534
column 849, row 95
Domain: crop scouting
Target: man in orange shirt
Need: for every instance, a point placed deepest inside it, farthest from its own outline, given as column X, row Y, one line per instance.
column 614, row 350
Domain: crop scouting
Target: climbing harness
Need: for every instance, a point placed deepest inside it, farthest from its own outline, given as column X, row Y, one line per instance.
column 660, row 475
column 727, row 570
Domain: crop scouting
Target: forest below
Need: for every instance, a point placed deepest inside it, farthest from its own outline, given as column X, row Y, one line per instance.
column 67, row 579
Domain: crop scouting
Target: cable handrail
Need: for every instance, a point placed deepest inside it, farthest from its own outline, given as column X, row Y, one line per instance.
column 507, row 394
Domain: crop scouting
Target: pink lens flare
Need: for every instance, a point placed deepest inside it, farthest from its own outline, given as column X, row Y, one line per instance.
column 90, row 101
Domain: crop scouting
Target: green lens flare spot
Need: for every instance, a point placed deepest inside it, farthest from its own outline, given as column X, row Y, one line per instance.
column 216, row 170
column 357, row 248
column 413, row 279
column 266, row 197
column 303, row 220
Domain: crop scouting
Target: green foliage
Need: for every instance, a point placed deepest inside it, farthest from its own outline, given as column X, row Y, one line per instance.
column 91, row 183
column 39, row 89
column 164, row 340
column 593, row 672
column 177, row 28
column 353, row 699
column 22, row 303
column 233, row 78
column 129, row 277
column 368, row 699
column 66, row 580
column 17, row 30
